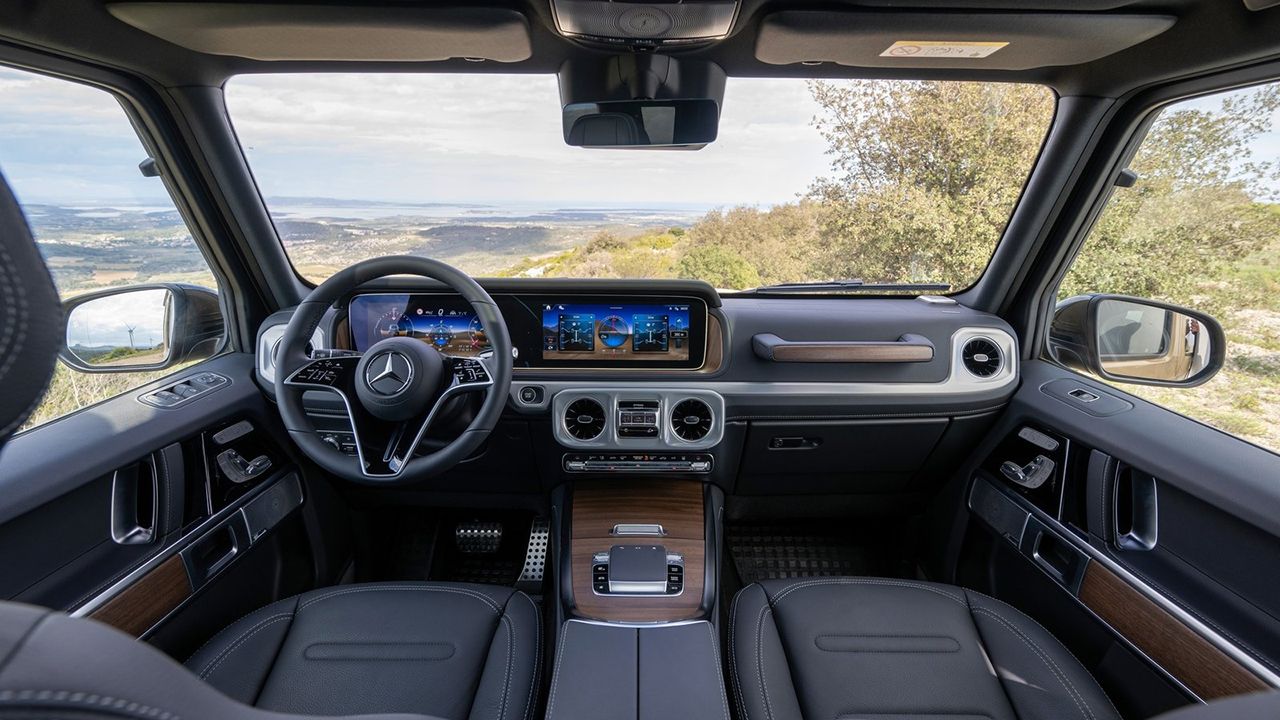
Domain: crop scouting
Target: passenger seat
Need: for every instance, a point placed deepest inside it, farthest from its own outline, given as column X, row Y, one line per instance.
column 847, row 648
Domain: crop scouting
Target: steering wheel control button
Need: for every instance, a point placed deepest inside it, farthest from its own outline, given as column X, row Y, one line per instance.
column 469, row 371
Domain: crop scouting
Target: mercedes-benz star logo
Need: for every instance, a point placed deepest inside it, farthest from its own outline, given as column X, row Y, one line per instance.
column 389, row 373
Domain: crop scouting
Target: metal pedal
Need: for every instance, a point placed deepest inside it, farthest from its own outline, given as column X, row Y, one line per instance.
column 478, row 537
column 535, row 557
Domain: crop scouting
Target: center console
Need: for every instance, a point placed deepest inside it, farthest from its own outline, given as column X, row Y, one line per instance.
column 639, row 551
column 638, row 571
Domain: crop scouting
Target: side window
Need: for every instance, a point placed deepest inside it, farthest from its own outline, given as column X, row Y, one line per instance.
column 72, row 158
column 1200, row 229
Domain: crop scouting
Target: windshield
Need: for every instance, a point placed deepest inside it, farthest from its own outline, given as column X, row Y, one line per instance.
column 809, row 181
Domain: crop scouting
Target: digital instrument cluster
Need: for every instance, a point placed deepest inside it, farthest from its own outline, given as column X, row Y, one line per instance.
column 561, row 331
column 449, row 326
column 615, row 331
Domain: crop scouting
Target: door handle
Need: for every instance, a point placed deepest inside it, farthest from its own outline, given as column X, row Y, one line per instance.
column 135, row 502
column 1135, row 510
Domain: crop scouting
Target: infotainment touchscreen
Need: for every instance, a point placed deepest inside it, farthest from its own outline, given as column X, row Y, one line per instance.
column 449, row 324
column 621, row 331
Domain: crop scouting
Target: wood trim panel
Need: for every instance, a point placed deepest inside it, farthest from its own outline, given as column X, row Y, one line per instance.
column 677, row 506
column 1183, row 653
column 137, row 608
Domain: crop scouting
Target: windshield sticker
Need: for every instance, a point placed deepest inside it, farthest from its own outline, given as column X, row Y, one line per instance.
column 941, row 49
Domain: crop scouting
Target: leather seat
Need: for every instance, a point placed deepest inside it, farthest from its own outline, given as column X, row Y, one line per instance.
column 445, row 649
column 897, row 649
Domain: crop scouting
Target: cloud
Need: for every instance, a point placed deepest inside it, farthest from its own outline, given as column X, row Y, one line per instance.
column 498, row 139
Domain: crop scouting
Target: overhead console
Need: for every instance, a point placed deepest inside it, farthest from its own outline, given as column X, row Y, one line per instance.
column 549, row 331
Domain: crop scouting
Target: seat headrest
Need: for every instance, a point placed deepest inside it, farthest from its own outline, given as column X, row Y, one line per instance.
column 31, row 323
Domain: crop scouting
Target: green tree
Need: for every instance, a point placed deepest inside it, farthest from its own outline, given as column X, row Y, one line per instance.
column 719, row 265
column 1197, row 209
column 926, row 174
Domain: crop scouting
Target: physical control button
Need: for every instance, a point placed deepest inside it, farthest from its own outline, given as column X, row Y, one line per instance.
column 531, row 395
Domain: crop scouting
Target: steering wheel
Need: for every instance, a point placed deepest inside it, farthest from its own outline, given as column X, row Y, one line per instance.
column 396, row 388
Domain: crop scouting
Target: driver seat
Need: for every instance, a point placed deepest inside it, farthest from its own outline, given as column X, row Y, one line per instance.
column 423, row 650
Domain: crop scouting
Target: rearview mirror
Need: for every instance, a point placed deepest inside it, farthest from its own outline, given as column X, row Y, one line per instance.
column 141, row 328
column 1139, row 341
column 642, row 123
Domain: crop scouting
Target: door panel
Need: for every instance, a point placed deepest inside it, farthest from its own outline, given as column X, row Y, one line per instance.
column 125, row 512
column 1163, row 531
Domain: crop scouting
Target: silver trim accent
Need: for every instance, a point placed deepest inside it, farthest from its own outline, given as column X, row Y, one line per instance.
column 1002, row 356
column 635, row 529
column 267, row 343
column 610, row 398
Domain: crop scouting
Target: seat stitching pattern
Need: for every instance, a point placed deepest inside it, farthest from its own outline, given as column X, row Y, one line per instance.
column 506, row 684
column 1076, row 696
column 555, row 675
column 377, row 588
column 537, row 659
column 71, row 697
column 1001, row 603
column 715, row 648
column 865, row 581
column 764, row 692
column 243, row 638
column 733, row 656
column 210, row 641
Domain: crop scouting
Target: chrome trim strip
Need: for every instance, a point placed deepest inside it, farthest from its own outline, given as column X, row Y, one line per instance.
column 635, row 624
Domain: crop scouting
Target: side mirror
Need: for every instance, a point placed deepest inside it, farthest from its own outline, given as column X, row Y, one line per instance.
column 141, row 328
column 1134, row 340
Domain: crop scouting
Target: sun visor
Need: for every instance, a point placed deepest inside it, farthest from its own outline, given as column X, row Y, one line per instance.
column 987, row 41
column 269, row 31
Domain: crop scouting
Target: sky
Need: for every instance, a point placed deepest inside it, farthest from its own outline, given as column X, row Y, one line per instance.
column 106, row 321
column 498, row 138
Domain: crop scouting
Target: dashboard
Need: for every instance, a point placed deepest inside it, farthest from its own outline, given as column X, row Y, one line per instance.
column 553, row 331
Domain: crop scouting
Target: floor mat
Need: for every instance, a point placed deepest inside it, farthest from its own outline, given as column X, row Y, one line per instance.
column 810, row 549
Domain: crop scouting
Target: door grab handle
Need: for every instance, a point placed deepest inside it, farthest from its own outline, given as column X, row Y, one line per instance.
column 135, row 503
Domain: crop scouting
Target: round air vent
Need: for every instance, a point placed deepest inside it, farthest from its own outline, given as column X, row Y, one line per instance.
column 982, row 357
column 691, row 420
column 584, row 419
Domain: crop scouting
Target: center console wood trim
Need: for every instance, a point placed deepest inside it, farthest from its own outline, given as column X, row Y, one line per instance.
column 678, row 506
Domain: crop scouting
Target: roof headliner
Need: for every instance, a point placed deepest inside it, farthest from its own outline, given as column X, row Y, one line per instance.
column 1209, row 35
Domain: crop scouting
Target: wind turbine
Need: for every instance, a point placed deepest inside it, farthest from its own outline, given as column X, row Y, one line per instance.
column 130, row 328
